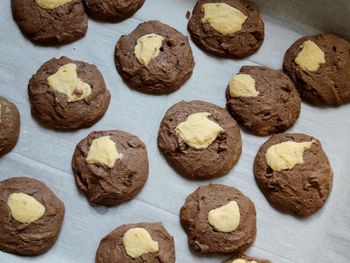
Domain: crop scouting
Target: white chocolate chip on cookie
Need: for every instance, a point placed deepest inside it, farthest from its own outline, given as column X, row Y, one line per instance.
column 25, row 208
column 138, row 241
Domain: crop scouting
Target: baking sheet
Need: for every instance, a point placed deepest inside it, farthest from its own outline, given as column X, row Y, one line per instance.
column 45, row 154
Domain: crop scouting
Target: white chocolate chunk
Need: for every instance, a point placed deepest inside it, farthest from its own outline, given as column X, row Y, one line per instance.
column 66, row 81
column 148, row 48
column 51, row 4
column 310, row 57
column 198, row 131
column 286, row 155
column 243, row 261
column 137, row 241
column 103, row 151
column 225, row 218
column 223, row 18
column 25, row 208
column 243, row 85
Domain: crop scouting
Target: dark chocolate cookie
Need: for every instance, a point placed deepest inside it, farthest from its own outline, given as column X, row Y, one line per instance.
column 67, row 94
column 263, row 100
column 246, row 259
column 320, row 67
column 110, row 167
column 219, row 219
column 112, row 10
column 235, row 40
column 31, row 216
column 154, row 58
column 294, row 173
column 199, row 139
column 50, row 22
column 9, row 125
column 155, row 245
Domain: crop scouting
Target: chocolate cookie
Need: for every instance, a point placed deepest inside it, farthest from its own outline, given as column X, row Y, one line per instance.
column 110, row 167
column 137, row 243
column 31, row 216
column 219, row 219
column 294, row 173
column 112, row 10
column 9, row 125
column 320, row 67
column 263, row 100
column 67, row 94
column 227, row 28
column 246, row 259
column 199, row 139
column 154, row 58
column 50, row 22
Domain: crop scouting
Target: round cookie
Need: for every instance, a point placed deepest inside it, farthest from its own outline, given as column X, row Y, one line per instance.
column 227, row 28
column 154, row 245
column 320, row 67
column 154, row 58
column 294, row 173
column 31, row 216
column 110, row 167
column 112, row 10
column 50, row 22
column 66, row 94
column 9, row 125
column 219, row 219
column 263, row 100
column 199, row 139
column 246, row 259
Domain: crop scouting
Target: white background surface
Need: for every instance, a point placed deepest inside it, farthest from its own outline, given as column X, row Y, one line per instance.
column 45, row 154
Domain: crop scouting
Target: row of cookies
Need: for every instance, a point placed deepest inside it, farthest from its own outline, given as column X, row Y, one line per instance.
column 111, row 167
column 318, row 65
column 33, row 216
column 54, row 22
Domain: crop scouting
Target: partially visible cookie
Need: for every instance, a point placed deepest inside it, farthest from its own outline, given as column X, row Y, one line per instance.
column 219, row 219
column 246, row 259
column 9, row 125
column 227, row 28
column 137, row 243
column 263, row 100
column 67, row 94
column 320, row 67
column 31, row 216
column 155, row 58
column 200, row 139
column 50, row 22
column 294, row 173
column 110, row 167
column 112, row 10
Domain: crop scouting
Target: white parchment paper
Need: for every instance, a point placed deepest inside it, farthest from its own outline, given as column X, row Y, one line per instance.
column 45, row 154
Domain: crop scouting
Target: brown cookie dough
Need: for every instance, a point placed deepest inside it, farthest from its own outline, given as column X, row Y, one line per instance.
column 239, row 44
column 215, row 160
column 112, row 247
column 205, row 237
column 9, row 125
column 166, row 71
column 112, row 10
column 50, row 26
column 327, row 83
column 110, row 183
column 25, row 229
column 246, row 259
column 54, row 109
column 271, row 105
column 300, row 187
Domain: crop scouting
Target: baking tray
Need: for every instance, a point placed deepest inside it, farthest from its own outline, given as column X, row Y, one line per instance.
column 46, row 154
